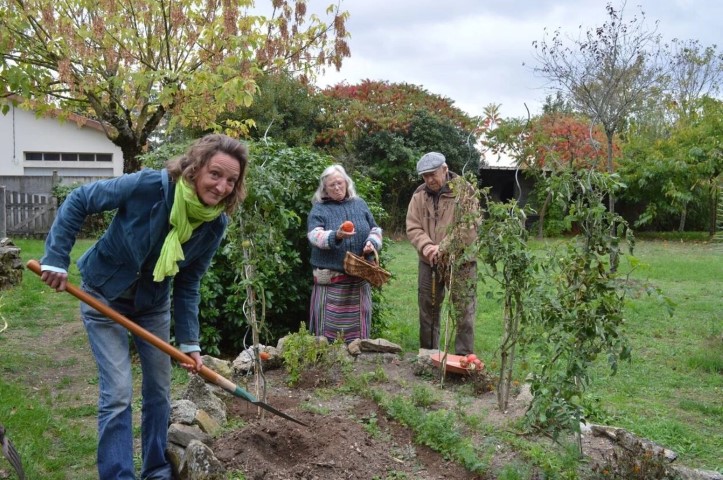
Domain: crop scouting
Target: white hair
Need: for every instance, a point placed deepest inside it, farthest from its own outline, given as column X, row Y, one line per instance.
column 320, row 193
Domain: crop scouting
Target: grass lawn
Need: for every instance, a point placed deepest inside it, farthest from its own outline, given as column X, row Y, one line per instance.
column 54, row 442
column 671, row 392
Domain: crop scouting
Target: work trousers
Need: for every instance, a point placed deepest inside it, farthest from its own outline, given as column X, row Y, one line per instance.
column 432, row 283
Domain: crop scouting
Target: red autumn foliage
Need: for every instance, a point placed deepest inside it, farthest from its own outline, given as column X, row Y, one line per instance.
column 374, row 106
column 568, row 141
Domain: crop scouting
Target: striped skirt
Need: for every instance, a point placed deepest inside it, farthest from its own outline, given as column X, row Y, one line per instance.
column 342, row 308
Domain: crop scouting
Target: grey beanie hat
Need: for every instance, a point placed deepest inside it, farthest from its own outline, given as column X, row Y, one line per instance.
column 430, row 162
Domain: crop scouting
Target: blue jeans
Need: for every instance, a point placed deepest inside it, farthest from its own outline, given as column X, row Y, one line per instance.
column 110, row 344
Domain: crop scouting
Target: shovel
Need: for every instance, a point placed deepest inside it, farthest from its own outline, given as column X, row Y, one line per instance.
column 205, row 372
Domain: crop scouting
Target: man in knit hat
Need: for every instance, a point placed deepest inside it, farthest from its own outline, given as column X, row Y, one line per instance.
column 443, row 200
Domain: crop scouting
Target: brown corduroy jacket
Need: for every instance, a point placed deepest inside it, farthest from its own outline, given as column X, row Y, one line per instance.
column 428, row 224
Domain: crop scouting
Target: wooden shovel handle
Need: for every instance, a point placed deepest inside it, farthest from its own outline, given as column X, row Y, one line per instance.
column 141, row 332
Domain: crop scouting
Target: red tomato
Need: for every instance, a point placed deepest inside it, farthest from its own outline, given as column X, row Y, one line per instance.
column 478, row 363
column 264, row 355
column 463, row 362
column 347, row 226
column 471, row 357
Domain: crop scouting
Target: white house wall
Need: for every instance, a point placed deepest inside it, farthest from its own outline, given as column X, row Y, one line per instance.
column 21, row 131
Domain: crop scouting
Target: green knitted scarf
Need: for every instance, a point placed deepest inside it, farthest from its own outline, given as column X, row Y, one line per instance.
column 187, row 213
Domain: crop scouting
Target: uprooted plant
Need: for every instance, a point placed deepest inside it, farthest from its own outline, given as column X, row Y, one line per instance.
column 457, row 262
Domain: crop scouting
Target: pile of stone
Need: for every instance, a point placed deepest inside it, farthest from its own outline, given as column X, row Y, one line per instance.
column 11, row 265
column 195, row 419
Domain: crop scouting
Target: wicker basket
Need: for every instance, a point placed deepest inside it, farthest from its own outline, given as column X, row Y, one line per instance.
column 366, row 269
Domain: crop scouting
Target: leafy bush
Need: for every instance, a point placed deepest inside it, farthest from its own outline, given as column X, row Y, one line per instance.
column 391, row 157
column 576, row 305
column 169, row 149
column 95, row 224
column 554, row 223
column 304, row 353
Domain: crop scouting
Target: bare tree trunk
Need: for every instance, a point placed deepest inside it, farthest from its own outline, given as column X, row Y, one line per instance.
column 683, row 215
column 543, row 211
column 715, row 189
column 131, row 152
column 611, row 169
column 395, row 214
column 611, row 199
column 503, row 388
column 578, row 435
column 512, row 316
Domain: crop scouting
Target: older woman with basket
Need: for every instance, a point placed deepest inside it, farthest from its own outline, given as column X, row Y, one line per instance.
column 340, row 222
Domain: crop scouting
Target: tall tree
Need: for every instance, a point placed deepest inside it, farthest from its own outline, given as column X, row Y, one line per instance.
column 285, row 109
column 607, row 72
column 372, row 106
column 383, row 128
column 676, row 176
column 695, row 72
column 549, row 145
column 568, row 142
column 135, row 63
column 391, row 157
column 671, row 154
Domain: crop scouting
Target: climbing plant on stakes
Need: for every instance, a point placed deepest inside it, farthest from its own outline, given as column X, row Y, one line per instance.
column 254, row 308
column 504, row 251
column 577, row 304
column 562, row 307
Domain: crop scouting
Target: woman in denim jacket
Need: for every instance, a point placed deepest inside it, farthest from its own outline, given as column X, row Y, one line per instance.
column 168, row 226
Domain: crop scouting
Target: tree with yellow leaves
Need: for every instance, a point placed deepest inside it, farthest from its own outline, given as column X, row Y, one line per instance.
column 134, row 64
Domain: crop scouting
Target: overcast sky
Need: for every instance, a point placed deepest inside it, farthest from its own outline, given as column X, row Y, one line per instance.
column 473, row 51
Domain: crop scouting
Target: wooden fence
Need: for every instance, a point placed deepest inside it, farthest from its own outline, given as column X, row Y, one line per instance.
column 27, row 214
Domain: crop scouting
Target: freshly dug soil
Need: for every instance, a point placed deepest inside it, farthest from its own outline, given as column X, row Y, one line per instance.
column 350, row 437
column 347, row 437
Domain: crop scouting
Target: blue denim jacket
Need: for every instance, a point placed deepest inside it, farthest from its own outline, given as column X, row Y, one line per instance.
column 125, row 255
